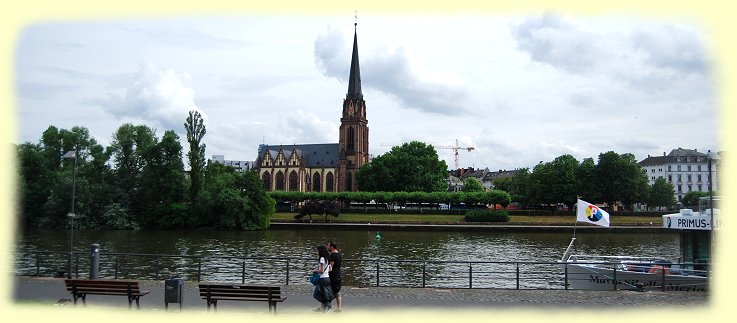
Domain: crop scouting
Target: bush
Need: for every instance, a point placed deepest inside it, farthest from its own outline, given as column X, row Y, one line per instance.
column 487, row 216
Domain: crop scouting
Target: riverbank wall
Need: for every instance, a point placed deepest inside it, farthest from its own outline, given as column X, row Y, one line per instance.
column 469, row 227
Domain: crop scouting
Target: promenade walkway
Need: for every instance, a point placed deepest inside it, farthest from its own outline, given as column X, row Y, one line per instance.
column 42, row 291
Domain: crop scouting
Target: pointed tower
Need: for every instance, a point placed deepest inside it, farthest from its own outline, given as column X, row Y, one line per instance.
column 354, row 132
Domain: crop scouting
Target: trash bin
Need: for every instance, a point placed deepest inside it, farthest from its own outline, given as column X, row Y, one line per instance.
column 173, row 292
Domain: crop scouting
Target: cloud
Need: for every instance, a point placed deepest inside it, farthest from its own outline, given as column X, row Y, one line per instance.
column 589, row 98
column 187, row 37
column 43, row 90
column 553, row 40
column 68, row 74
column 67, row 46
column 331, row 53
column 240, row 139
column 646, row 57
column 672, row 47
column 159, row 96
column 389, row 71
column 303, row 127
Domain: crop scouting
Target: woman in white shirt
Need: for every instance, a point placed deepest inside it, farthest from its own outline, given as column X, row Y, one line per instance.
column 323, row 292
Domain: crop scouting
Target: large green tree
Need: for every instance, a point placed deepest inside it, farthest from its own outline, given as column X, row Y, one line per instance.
column 472, row 184
column 621, row 179
column 129, row 148
column 195, row 127
column 232, row 200
column 588, row 182
column 515, row 186
column 661, row 194
column 57, row 142
column 503, row 184
column 33, row 183
column 554, row 182
column 163, row 184
column 538, row 184
column 411, row 167
column 691, row 199
column 565, row 186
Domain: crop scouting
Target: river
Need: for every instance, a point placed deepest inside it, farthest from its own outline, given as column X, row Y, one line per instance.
column 358, row 246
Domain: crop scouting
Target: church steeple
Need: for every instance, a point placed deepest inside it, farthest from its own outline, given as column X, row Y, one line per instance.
column 354, row 79
column 353, row 143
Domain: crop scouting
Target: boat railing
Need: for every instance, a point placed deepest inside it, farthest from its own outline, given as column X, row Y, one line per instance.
column 616, row 258
column 296, row 270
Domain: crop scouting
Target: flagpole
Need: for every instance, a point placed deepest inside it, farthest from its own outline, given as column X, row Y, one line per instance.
column 575, row 219
column 568, row 251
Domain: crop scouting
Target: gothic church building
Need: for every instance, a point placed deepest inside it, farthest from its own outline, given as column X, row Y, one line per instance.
column 323, row 167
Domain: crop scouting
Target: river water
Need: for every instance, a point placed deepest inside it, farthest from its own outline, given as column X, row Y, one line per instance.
column 448, row 253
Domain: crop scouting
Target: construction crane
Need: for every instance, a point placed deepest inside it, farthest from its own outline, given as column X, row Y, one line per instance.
column 456, row 148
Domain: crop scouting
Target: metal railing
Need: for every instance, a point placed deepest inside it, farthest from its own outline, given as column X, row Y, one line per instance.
column 296, row 270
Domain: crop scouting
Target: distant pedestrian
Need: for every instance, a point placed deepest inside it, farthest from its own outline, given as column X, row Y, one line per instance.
column 323, row 291
column 335, row 279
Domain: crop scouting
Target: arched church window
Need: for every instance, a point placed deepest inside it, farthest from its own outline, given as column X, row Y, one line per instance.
column 316, row 182
column 329, row 182
column 293, row 181
column 279, row 181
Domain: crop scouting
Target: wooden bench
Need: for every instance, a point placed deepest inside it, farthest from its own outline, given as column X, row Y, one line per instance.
column 213, row 292
column 80, row 288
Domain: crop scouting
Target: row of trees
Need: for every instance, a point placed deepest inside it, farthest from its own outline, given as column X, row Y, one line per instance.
column 138, row 181
column 615, row 178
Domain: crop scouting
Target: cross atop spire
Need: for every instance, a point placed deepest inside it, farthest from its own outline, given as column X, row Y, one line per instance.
column 354, row 79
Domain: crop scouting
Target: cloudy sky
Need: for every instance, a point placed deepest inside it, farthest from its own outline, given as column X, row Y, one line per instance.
column 519, row 88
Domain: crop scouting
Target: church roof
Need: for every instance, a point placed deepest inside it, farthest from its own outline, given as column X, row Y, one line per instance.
column 313, row 155
column 354, row 79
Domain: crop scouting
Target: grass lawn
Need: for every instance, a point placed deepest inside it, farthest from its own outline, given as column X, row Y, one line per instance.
column 453, row 219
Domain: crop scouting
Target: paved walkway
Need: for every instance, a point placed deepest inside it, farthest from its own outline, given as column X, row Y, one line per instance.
column 32, row 290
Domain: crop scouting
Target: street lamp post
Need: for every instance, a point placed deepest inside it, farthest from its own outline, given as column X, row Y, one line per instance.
column 72, row 154
column 709, row 158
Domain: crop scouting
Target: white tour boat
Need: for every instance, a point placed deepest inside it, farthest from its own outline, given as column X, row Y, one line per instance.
column 642, row 273
column 633, row 273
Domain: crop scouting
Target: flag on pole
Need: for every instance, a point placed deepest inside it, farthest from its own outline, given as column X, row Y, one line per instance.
column 587, row 212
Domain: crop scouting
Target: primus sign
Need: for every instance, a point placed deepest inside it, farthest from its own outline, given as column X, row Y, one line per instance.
column 687, row 220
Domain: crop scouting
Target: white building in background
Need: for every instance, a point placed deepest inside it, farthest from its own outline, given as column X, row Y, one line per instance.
column 239, row 165
column 686, row 169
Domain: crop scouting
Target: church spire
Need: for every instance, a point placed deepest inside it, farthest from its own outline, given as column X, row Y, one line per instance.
column 354, row 79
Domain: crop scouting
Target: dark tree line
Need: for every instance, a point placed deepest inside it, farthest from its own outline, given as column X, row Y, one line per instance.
column 614, row 179
column 139, row 181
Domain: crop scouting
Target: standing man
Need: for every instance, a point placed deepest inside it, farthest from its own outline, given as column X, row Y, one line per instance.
column 335, row 282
